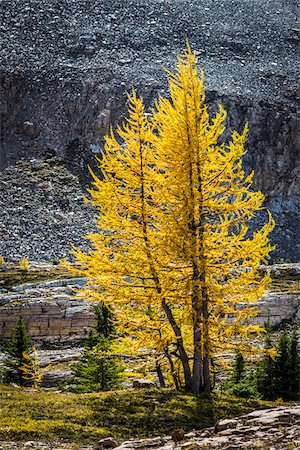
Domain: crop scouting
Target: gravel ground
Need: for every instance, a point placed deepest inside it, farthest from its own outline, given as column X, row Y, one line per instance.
column 239, row 41
column 43, row 212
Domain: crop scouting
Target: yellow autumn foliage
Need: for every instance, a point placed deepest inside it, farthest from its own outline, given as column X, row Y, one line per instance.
column 24, row 265
column 31, row 368
column 173, row 254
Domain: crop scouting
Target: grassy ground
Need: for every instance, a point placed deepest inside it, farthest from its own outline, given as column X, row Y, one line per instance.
column 12, row 276
column 84, row 418
column 286, row 283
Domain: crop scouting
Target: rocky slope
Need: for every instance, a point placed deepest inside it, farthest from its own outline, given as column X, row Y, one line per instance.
column 42, row 211
column 65, row 67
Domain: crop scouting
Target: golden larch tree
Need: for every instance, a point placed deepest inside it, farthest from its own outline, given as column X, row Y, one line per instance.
column 173, row 254
column 31, row 368
column 208, row 204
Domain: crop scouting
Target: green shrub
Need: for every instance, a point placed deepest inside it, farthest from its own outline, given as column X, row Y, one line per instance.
column 246, row 388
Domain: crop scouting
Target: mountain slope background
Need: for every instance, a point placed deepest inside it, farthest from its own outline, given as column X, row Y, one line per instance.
column 66, row 66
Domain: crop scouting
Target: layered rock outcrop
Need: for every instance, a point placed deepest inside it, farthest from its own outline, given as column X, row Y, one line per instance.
column 65, row 68
column 53, row 314
column 280, row 305
column 56, row 317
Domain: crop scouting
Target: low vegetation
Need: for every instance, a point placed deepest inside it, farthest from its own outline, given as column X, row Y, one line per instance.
column 286, row 282
column 84, row 418
column 11, row 275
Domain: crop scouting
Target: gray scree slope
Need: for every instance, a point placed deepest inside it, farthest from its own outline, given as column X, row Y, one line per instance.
column 66, row 65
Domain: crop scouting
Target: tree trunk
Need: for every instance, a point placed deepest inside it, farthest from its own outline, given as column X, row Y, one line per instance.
column 179, row 342
column 160, row 375
column 197, row 366
column 197, row 382
column 206, row 350
column 173, row 372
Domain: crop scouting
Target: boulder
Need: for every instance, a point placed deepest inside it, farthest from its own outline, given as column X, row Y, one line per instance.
column 142, row 384
column 225, row 424
column 178, row 435
column 109, row 442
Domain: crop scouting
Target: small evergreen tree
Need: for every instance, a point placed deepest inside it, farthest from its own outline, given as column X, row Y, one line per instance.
column 281, row 367
column 238, row 367
column 105, row 320
column 241, row 382
column 104, row 325
column 280, row 377
column 294, row 368
column 265, row 373
column 18, row 346
column 99, row 370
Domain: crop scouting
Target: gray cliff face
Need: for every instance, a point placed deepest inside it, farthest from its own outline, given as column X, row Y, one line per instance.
column 66, row 66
